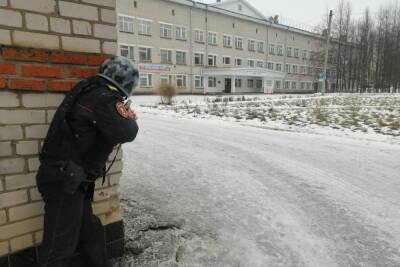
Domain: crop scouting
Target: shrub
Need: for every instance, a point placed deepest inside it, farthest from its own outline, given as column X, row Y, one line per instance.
column 166, row 92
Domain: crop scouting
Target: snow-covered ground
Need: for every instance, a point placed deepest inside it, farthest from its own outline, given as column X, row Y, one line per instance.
column 212, row 192
column 365, row 113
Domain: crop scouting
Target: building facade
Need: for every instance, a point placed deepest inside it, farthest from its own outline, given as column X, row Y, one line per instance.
column 225, row 47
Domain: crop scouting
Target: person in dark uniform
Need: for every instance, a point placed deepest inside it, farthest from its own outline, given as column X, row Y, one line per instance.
column 93, row 119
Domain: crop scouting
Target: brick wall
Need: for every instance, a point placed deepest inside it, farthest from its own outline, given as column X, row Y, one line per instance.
column 46, row 46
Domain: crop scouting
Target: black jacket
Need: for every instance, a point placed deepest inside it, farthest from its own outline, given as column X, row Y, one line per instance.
column 85, row 129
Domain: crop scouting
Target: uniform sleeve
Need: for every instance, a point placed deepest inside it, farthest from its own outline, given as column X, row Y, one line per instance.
column 114, row 127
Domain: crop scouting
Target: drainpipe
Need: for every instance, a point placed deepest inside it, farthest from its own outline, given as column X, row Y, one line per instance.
column 284, row 59
column 206, row 48
column 266, row 55
column 191, row 48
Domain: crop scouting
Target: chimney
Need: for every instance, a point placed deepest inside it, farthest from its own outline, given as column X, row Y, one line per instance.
column 276, row 19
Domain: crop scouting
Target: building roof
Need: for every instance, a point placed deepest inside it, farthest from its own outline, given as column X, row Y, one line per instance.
column 228, row 4
column 262, row 20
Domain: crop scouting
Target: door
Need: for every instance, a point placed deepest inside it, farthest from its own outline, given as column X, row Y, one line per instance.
column 228, row 86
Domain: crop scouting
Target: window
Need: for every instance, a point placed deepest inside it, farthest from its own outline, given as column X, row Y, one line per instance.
column 260, row 64
column 212, row 82
column 144, row 54
column 278, row 85
column 198, row 82
column 260, row 47
column 252, row 45
column 278, row 67
column 212, row 38
column 258, row 84
column 165, row 30
column 295, row 69
column 145, row 80
column 180, row 57
column 251, row 63
column 238, row 62
column 272, row 49
column 227, row 41
column 127, row 51
column 199, row 59
column 279, row 50
column 287, row 68
column 250, row 83
column 181, row 81
column 238, row 43
column 289, row 52
column 287, row 85
column 294, row 85
column 166, row 79
column 226, row 60
column 125, row 24
column 212, row 60
column 309, row 70
column 304, row 54
column 270, row 66
column 180, row 33
column 238, row 83
column 296, row 53
column 240, row 7
column 144, row 27
column 166, row 56
column 308, row 85
column 302, row 70
column 199, row 36
column 302, row 85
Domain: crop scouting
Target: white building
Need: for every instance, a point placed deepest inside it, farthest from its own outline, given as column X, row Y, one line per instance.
column 225, row 47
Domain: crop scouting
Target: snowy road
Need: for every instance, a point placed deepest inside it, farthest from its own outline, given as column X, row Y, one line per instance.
column 259, row 197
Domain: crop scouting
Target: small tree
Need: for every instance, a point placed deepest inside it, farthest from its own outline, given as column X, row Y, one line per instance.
column 166, row 92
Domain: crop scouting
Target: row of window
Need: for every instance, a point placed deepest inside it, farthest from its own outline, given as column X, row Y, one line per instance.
column 257, row 84
column 166, row 56
column 169, row 31
column 146, row 80
column 293, row 85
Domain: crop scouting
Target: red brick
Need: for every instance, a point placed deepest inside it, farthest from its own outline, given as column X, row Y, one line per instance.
column 61, row 86
column 83, row 72
column 25, row 84
column 7, row 68
column 96, row 60
column 41, row 71
column 68, row 58
column 2, row 82
column 24, row 54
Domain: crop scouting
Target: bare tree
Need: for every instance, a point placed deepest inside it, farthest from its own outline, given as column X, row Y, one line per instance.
column 365, row 52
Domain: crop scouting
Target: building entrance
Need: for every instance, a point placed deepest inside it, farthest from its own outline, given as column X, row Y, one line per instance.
column 228, row 86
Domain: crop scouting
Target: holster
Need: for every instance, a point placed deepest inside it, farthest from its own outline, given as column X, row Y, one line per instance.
column 73, row 176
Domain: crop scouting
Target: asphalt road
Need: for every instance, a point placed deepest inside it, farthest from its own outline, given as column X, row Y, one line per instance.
column 257, row 197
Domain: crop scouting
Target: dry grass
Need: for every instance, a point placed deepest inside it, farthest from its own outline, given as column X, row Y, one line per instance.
column 167, row 92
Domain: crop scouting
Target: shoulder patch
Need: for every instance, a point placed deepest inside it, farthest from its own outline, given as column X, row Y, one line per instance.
column 121, row 109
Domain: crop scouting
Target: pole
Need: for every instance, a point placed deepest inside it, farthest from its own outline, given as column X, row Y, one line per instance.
column 328, row 37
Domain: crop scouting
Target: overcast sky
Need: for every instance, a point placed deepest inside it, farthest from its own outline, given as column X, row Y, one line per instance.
column 309, row 12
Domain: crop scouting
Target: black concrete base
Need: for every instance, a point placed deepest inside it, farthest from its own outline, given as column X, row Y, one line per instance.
column 115, row 248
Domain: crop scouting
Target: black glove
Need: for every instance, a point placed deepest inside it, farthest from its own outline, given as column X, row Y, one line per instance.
column 74, row 175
